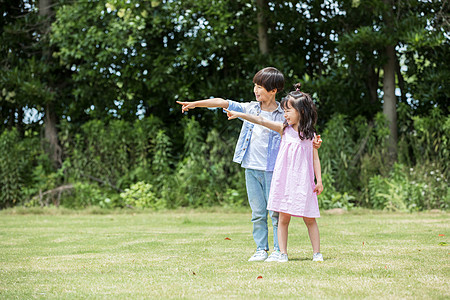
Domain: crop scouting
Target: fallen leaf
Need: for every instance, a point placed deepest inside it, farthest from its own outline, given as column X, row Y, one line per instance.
column 259, row 277
column 441, row 234
column 443, row 244
column 385, row 266
column 228, row 239
column 193, row 273
column 363, row 243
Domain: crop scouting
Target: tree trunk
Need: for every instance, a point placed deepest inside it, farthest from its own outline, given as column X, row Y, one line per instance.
column 263, row 40
column 44, row 7
column 51, row 133
column 390, row 100
column 389, row 68
column 372, row 84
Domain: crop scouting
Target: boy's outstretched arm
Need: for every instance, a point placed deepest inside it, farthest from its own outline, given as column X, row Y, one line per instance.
column 275, row 126
column 213, row 102
column 317, row 172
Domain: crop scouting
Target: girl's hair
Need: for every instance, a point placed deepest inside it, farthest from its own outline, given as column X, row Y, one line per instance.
column 304, row 105
column 270, row 78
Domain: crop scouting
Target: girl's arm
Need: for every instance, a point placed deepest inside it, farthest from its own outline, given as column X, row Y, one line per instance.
column 214, row 102
column 317, row 172
column 275, row 126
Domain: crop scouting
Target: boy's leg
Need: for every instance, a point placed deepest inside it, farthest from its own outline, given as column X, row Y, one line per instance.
column 273, row 214
column 254, row 180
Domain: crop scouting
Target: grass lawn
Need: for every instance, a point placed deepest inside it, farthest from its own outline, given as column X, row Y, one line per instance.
column 186, row 254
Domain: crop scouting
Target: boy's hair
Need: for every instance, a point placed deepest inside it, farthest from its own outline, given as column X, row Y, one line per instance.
column 270, row 78
column 303, row 103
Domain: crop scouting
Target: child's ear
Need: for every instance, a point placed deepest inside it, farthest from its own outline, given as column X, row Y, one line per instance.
column 274, row 91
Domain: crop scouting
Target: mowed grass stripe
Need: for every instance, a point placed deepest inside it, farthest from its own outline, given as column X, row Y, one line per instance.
column 185, row 254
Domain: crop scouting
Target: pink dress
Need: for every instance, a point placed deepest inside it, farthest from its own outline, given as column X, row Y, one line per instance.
column 293, row 184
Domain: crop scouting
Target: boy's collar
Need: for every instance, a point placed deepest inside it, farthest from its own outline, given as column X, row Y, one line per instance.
column 279, row 109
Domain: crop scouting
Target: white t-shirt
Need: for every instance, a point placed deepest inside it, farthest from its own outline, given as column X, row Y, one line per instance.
column 256, row 155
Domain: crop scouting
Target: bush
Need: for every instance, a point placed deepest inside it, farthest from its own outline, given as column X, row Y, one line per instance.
column 141, row 195
column 16, row 164
column 331, row 198
column 104, row 157
column 86, row 194
column 424, row 187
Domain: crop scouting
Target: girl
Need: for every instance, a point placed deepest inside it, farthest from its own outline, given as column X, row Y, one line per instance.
column 292, row 191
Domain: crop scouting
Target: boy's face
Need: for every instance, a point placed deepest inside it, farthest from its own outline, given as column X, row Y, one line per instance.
column 261, row 94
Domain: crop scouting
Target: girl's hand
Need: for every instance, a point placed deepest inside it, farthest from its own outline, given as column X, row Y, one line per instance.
column 232, row 114
column 317, row 142
column 319, row 188
column 186, row 106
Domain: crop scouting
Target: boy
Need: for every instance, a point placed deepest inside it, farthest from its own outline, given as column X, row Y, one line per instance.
column 256, row 151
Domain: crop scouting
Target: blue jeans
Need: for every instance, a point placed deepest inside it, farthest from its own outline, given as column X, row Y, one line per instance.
column 258, row 188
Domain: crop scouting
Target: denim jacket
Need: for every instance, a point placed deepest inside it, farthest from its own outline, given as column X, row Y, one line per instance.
column 254, row 108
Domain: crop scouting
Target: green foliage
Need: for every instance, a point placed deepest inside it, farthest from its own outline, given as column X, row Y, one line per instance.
column 115, row 153
column 336, row 153
column 415, row 189
column 432, row 136
column 110, row 72
column 16, row 160
column 331, row 198
column 10, row 174
column 83, row 195
column 233, row 198
column 141, row 195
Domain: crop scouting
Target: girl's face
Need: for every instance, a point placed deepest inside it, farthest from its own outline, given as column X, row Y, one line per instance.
column 291, row 115
column 261, row 94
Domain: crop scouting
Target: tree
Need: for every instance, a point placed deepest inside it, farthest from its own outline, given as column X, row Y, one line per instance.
column 389, row 68
column 263, row 40
column 51, row 119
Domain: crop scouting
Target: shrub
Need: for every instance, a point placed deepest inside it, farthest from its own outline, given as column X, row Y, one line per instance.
column 141, row 195
column 331, row 198
column 86, row 194
column 420, row 188
column 16, row 164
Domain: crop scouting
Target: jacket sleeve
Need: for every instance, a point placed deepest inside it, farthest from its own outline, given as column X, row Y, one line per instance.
column 236, row 106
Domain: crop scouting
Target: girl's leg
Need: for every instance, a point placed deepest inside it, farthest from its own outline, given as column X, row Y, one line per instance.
column 283, row 225
column 313, row 231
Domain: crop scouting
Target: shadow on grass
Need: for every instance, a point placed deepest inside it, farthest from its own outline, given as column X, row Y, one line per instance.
column 300, row 259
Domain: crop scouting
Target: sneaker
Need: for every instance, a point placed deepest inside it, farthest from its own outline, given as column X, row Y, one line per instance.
column 317, row 256
column 260, row 255
column 283, row 258
column 275, row 256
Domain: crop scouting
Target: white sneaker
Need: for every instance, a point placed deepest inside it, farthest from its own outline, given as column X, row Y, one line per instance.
column 317, row 256
column 260, row 255
column 283, row 258
column 275, row 256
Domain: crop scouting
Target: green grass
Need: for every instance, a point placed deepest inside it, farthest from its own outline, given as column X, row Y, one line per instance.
column 185, row 254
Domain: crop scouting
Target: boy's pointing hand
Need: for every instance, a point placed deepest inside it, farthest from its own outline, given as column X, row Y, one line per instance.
column 186, row 106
